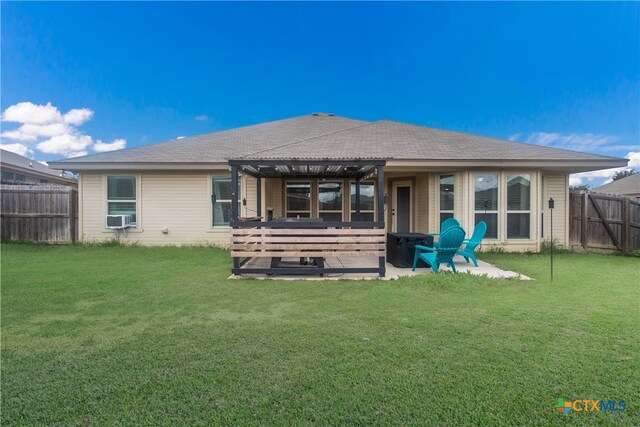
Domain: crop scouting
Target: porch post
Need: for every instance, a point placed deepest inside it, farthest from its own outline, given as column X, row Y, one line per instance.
column 358, row 199
column 234, row 204
column 259, row 196
column 381, row 260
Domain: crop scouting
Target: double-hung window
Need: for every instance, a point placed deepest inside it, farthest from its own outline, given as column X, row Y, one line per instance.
column 330, row 201
column 222, row 207
column 121, row 196
column 519, row 206
column 367, row 202
column 298, row 199
column 447, row 193
column 486, row 186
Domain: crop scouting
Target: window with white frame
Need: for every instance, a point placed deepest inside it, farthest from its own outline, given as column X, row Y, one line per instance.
column 121, row 196
column 518, row 206
column 330, row 201
column 298, row 202
column 221, row 200
column 447, row 199
column 367, row 201
column 486, row 186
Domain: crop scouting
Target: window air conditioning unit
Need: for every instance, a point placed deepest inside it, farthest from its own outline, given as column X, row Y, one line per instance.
column 118, row 221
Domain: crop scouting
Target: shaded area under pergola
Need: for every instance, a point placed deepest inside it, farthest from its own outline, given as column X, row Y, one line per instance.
column 313, row 237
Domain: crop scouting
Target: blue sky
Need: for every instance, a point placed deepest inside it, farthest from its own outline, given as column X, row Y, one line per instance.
column 558, row 74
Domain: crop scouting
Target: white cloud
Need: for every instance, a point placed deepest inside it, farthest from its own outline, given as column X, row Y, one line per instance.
column 45, row 128
column 67, row 144
column 180, row 137
column 202, row 118
column 116, row 144
column 634, row 159
column 27, row 112
column 589, row 142
column 31, row 132
column 77, row 154
column 78, row 116
column 18, row 148
column 575, row 180
column 607, row 174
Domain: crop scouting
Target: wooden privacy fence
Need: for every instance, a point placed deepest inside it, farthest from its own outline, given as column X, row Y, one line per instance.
column 604, row 222
column 39, row 213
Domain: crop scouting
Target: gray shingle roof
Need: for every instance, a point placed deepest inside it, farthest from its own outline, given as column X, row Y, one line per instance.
column 8, row 158
column 217, row 147
column 402, row 141
column 627, row 185
column 332, row 137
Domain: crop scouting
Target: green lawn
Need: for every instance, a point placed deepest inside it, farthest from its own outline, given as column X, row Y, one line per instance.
column 133, row 335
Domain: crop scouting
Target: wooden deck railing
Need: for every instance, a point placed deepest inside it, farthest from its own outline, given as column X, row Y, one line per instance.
column 307, row 243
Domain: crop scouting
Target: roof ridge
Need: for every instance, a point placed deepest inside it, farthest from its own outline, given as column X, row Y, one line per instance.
column 309, row 139
column 499, row 139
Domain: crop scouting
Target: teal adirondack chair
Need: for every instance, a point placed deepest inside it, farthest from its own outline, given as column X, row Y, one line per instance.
column 471, row 244
column 450, row 241
column 446, row 224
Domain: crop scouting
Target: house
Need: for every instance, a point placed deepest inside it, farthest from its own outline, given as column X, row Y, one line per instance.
column 17, row 169
column 407, row 178
column 627, row 186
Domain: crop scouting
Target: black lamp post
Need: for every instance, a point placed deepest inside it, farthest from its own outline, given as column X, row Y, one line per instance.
column 551, row 206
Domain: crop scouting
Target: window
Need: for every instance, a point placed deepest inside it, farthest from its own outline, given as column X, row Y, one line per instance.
column 518, row 206
column 7, row 176
column 447, row 192
column 221, row 199
column 19, row 177
column 330, row 201
column 298, row 199
column 486, row 202
column 121, row 196
column 367, row 202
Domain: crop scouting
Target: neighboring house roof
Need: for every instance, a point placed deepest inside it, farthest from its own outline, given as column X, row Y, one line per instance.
column 629, row 185
column 24, row 165
column 324, row 136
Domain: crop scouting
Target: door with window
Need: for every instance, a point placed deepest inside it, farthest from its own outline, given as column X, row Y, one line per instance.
column 402, row 193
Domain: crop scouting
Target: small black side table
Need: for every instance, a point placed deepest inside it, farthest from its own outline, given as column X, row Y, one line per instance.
column 401, row 248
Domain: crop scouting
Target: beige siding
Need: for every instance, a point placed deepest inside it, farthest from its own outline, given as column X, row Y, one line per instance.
column 556, row 186
column 180, row 202
column 422, row 203
column 273, row 196
column 177, row 202
column 249, row 192
column 92, row 206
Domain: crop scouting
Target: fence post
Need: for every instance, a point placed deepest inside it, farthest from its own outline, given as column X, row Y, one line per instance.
column 626, row 219
column 73, row 203
column 584, row 236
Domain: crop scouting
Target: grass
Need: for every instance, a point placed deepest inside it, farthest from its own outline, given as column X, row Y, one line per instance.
column 135, row 335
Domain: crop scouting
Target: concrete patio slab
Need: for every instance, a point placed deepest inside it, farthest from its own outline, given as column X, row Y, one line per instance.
column 393, row 273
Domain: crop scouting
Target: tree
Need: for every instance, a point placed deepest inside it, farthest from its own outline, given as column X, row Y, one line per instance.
column 623, row 174
column 581, row 187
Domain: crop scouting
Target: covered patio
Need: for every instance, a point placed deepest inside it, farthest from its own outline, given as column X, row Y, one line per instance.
column 303, row 245
column 391, row 273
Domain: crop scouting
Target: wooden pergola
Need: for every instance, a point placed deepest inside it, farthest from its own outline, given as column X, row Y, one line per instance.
column 307, row 238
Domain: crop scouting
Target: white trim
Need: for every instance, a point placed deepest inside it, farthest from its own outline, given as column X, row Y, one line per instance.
column 138, row 200
column 394, row 205
column 472, row 189
column 506, row 206
column 286, row 201
column 342, row 190
column 350, row 209
column 439, row 211
column 80, row 210
column 213, row 228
